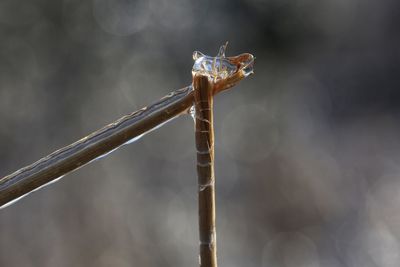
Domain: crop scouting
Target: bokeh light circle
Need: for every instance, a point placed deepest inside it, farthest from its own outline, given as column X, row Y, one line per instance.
column 291, row 249
column 121, row 17
column 249, row 133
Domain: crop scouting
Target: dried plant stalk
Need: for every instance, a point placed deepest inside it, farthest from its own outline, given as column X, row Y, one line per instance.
column 93, row 146
column 211, row 75
column 204, row 132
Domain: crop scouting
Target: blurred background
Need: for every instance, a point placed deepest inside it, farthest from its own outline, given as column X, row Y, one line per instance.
column 307, row 149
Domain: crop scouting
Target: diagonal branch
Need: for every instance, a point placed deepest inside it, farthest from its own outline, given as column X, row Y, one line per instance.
column 93, row 146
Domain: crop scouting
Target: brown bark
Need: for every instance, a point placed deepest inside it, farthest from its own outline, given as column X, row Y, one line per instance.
column 204, row 133
column 76, row 155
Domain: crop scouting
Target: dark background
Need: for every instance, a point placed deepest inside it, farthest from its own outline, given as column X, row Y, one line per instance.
column 307, row 149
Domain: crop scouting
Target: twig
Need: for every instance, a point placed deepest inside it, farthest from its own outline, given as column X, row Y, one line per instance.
column 95, row 145
column 210, row 76
column 203, row 99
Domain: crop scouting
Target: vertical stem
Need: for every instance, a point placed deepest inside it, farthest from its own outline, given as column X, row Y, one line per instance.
column 203, row 100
